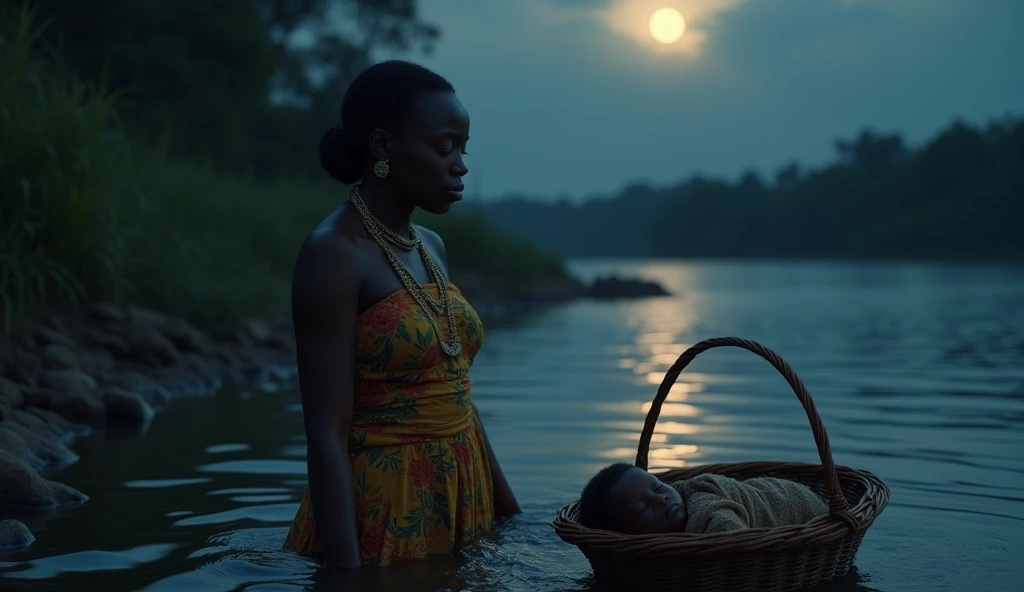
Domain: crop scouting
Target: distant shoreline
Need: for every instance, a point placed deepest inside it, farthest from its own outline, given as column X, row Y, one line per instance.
column 1011, row 260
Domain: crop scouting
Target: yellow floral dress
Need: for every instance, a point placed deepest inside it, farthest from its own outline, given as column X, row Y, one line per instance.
column 422, row 478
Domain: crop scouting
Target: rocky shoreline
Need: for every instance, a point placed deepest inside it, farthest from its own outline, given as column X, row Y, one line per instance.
column 109, row 367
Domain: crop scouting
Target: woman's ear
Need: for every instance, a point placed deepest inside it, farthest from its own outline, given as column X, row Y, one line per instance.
column 379, row 144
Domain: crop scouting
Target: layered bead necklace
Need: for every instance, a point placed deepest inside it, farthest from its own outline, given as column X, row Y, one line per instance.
column 432, row 307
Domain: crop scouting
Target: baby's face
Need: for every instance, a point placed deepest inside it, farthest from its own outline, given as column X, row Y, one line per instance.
column 642, row 504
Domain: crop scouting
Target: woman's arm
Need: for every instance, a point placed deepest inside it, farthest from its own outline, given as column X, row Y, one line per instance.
column 505, row 503
column 325, row 290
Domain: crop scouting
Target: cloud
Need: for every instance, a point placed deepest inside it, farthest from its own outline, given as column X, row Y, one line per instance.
column 581, row 3
column 630, row 18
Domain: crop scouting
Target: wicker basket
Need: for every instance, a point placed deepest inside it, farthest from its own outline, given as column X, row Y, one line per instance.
column 784, row 558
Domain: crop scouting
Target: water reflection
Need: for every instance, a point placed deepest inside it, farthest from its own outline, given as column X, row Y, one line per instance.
column 87, row 561
column 919, row 377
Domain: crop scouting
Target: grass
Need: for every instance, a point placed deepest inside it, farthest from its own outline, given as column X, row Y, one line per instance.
column 89, row 213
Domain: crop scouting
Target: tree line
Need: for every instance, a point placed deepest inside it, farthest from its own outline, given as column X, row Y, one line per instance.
column 244, row 85
column 960, row 195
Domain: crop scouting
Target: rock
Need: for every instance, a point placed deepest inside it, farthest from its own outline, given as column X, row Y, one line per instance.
column 14, row 444
column 68, row 381
column 126, row 406
column 45, row 335
column 106, row 312
column 22, row 487
column 11, row 393
column 15, row 535
column 6, row 411
column 79, row 408
column 95, row 362
column 227, row 336
column 144, row 316
column 615, row 287
column 59, row 356
column 202, row 367
column 283, row 339
column 257, row 330
column 150, row 346
column 37, row 423
column 39, row 397
column 184, row 336
column 227, row 355
column 24, row 367
column 34, row 449
column 143, row 386
column 45, row 421
column 113, row 343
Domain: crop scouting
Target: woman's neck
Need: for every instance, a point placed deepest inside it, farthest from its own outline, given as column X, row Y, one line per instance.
column 385, row 205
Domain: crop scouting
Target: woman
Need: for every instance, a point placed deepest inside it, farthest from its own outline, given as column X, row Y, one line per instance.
column 399, row 464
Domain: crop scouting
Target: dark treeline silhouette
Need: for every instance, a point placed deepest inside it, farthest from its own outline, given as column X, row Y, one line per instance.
column 246, row 85
column 961, row 195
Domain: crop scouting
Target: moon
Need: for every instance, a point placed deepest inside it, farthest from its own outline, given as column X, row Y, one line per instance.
column 667, row 25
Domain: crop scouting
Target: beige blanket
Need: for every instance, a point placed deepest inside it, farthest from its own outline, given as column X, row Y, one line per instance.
column 715, row 503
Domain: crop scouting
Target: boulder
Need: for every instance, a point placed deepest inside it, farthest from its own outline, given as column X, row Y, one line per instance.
column 106, row 312
column 95, row 362
column 150, row 346
column 615, row 287
column 39, row 397
column 35, row 450
column 184, row 336
column 22, row 487
column 134, row 382
column 138, row 315
column 68, row 381
column 258, row 331
column 60, row 356
column 12, row 443
column 79, row 407
column 14, row 535
column 24, row 367
column 11, row 394
column 126, row 406
column 112, row 342
column 46, row 421
column 47, row 335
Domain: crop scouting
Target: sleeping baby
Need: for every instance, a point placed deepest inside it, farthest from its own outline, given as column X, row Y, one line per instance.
column 627, row 499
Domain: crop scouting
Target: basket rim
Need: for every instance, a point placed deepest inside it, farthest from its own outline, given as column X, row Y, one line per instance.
column 822, row 530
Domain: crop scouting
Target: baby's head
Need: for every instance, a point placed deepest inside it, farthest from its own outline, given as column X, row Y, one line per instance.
column 627, row 499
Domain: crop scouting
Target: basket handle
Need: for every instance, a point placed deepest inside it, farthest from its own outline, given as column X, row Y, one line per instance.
column 836, row 501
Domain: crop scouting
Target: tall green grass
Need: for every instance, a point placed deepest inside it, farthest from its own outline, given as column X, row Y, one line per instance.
column 87, row 212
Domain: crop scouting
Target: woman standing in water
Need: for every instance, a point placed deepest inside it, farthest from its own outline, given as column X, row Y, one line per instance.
column 399, row 464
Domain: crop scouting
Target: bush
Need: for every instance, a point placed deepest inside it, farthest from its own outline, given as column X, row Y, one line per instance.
column 88, row 213
column 61, row 170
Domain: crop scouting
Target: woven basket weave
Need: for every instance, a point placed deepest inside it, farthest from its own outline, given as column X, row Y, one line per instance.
column 784, row 558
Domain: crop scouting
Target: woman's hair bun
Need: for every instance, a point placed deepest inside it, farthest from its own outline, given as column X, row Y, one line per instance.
column 339, row 157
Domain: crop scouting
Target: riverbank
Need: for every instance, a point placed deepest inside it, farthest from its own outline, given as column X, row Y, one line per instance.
column 108, row 367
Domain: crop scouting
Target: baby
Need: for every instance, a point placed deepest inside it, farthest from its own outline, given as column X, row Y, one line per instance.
column 627, row 499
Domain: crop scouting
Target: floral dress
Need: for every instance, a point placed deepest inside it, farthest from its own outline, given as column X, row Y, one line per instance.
column 422, row 478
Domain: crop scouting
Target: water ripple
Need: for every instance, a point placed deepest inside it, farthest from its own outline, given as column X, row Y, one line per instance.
column 917, row 371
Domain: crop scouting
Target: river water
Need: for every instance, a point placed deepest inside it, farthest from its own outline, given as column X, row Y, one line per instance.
column 917, row 370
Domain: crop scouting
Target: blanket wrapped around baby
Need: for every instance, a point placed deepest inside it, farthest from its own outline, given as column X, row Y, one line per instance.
column 715, row 503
